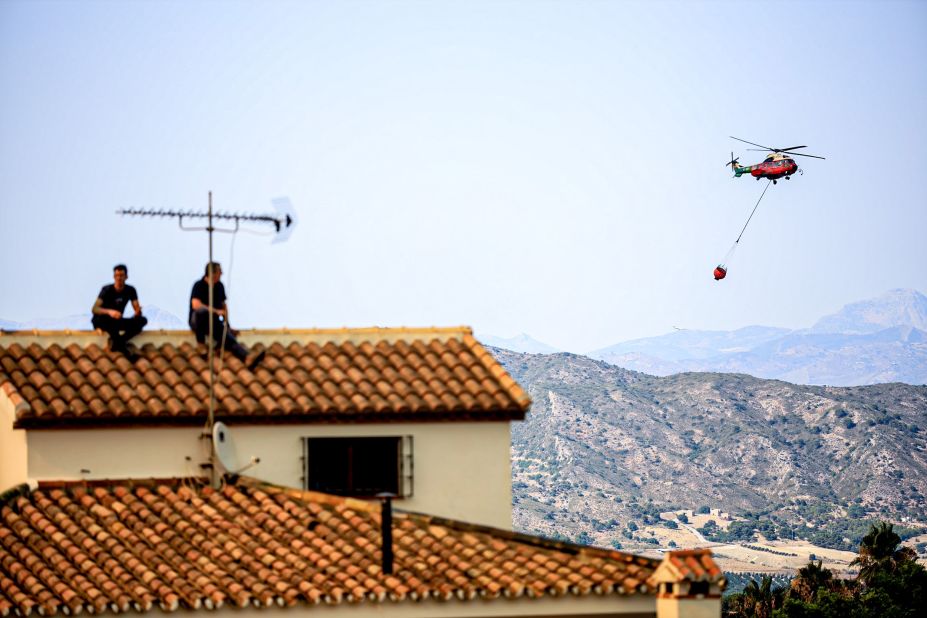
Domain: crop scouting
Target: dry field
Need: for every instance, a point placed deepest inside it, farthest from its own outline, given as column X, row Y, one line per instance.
column 736, row 558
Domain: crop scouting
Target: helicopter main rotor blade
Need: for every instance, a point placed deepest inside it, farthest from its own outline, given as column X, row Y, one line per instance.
column 751, row 143
column 804, row 155
column 763, row 149
column 791, row 148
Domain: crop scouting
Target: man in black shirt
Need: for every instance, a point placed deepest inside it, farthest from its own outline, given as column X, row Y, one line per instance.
column 201, row 310
column 109, row 306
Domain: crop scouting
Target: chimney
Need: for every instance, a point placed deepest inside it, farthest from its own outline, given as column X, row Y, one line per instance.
column 386, row 530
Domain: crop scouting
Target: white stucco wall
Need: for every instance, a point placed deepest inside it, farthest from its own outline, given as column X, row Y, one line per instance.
column 688, row 608
column 461, row 469
column 13, row 470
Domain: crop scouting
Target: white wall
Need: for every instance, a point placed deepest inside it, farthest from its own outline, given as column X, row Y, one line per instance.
column 13, row 469
column 462, row 469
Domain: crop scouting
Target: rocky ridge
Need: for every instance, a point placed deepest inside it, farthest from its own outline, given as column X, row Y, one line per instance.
column 604, row 447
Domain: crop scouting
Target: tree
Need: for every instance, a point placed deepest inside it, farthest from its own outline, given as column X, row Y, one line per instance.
column 809, row 580
column 758, row 599
column 879, row 552
column 891, row 584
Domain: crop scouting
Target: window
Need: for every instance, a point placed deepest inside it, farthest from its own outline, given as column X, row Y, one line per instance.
column 696, row 588
column 361, row 467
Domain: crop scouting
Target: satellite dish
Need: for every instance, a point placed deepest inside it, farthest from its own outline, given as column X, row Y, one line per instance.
column 224, row 447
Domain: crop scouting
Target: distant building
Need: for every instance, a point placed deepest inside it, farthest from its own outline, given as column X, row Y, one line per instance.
column 105, row 507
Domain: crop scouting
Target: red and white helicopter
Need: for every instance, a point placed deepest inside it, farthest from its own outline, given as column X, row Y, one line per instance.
column 778, row 164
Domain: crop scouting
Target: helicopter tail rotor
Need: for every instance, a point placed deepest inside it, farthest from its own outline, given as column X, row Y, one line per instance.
column 733, row 163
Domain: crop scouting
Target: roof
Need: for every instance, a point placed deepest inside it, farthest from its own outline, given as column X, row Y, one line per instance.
column 692, row 565
column 171, row 544
column 695, row 565
column 58, row 379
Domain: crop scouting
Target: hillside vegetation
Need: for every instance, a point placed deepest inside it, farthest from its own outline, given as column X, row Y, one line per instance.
column 604, row 450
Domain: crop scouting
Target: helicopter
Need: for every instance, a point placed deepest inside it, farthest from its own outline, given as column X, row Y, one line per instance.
column 777, row 164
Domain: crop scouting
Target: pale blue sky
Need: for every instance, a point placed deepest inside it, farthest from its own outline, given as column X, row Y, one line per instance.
column 549, row 167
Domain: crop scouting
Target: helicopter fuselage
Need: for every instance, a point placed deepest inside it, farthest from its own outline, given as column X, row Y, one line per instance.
column 774, row 167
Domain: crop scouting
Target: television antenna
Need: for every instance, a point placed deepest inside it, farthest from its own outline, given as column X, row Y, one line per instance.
column 283, row 221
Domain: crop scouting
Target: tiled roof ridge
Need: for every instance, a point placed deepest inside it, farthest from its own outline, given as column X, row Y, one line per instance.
column 496, row 369
column 694, row 565
column 456, row 524
column 535, row 541
column 397, row 375
column 20, row 405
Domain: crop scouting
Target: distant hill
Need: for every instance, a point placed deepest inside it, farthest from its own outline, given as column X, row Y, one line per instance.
column 157, row 319
column 879, row 340
column 895, row 308
column 518, row 343
column 604, row 446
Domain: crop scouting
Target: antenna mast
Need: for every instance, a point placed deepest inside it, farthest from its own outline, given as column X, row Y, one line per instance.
column 283, row 221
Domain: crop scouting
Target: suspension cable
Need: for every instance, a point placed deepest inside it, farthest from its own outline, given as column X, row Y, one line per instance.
column 754, row 210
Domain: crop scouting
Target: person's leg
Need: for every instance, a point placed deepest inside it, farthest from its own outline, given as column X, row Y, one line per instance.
column 133, row 326
column 111, row 327
column 199, row 324
column 231, row 344
column 250, row 359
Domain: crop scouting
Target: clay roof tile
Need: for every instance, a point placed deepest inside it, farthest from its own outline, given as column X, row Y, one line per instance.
column 390, row 376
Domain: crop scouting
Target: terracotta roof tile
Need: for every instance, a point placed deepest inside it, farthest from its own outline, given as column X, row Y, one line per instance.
column 693, row 565
column 435, row 373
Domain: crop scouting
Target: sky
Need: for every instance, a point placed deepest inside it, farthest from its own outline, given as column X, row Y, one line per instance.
column 554, row 168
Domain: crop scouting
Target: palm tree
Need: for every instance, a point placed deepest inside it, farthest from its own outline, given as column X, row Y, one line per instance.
column 757, row 599
column 809, row 578
column 879, row 551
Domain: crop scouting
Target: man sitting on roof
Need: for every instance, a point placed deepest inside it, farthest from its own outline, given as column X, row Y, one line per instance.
column 201, row 310
column 109, row 306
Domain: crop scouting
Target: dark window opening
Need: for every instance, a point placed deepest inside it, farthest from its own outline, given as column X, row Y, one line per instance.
column 359, row 467
column 698, row 588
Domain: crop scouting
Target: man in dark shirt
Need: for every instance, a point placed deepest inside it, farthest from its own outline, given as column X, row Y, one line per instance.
column 109, row 306
column 222, row 332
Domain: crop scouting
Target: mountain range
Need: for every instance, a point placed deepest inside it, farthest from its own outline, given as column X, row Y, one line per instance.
column 519, row 343
column 883, row 339
column 157, row 319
